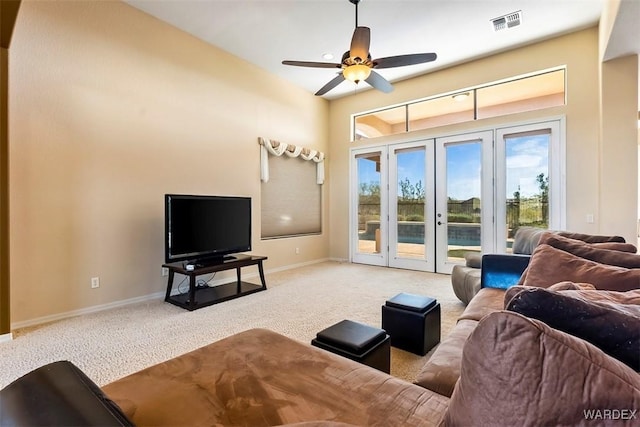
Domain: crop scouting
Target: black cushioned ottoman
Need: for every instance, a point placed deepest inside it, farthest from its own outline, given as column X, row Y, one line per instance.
column 413, row 321
column 357, row 341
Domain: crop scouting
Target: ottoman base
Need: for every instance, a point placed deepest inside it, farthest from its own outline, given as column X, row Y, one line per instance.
column 413, row 322
column 356, row 341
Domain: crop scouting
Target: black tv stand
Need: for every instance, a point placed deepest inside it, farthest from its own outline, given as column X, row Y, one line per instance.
column 206, row 262
column 198, row 297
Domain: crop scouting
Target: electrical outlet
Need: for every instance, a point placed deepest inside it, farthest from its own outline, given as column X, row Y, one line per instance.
column 297, row 251
column 95, row 282
column 165, row 271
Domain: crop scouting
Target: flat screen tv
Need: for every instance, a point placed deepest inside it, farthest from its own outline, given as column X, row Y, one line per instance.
column 204, row 229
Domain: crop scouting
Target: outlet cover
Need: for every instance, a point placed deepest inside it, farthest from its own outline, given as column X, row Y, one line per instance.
column 95, row 282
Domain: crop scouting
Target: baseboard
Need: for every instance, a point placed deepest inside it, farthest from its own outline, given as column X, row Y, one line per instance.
column 88, row 310
column 6, row 337
column 136, row 300
column 298, row 265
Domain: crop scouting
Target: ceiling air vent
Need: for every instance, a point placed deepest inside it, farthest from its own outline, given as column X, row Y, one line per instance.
column 507, row 21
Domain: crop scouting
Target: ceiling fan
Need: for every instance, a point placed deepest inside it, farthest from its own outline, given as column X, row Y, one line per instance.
column 357, row 64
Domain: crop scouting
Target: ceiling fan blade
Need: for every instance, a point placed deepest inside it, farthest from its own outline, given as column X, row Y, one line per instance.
column 403, row 60
column 312, row 64
column 333, row 83
column 360, row 43
column 379, row 82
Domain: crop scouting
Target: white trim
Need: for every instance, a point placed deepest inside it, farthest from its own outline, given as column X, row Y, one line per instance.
column 88, row 310
column 122, row 303
column 6, row 337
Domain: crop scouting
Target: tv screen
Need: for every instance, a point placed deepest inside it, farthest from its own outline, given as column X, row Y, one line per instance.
column 202, row 228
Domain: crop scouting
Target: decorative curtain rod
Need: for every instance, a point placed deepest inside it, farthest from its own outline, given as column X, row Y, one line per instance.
column 276, row 148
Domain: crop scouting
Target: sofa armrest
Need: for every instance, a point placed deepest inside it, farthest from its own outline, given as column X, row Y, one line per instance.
column 58, row 394
column 502, row 270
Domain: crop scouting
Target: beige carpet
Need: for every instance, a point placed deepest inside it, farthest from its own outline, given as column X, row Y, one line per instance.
column 298, row 303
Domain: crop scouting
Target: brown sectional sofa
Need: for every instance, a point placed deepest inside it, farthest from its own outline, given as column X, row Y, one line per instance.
column 513, row 370
column 442, row 371
column 498, row 367
column 606, row 261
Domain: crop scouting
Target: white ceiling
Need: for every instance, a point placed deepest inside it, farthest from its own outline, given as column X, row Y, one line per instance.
column 266, row 32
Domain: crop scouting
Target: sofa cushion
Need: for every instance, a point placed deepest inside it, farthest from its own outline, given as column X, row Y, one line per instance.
column 465, row 282
column 519, row 371
column 614, row 328
column 442, row 371
column 593, row 252
column 486, row 301
column 549, row 265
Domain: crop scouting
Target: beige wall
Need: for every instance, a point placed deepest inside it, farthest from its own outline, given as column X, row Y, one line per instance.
column 110, row 110
column 618, row 150
column 579, row 52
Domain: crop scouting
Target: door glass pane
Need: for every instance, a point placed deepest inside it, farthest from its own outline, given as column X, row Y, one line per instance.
column 527, row 179
column 369, row 238
column 464, row 170
column 411, row 203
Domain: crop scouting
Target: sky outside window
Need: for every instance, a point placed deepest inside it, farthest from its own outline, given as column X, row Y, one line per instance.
column 526, row 158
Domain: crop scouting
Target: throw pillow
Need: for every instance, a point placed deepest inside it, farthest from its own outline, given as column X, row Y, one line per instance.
column 519, row 371
column 591, row 238
column 549, row 265
column 593, row 252
column 610, row 327
column 510, row 293
column 622, row 247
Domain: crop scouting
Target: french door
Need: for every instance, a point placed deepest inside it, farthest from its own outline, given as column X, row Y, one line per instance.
column 405, row 194
column 464, row 197
column 423, row 204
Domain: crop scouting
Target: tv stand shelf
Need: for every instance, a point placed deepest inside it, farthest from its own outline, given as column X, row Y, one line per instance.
column 198, row 297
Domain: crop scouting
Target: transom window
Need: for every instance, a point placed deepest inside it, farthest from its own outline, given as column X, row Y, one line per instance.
column 526, row 93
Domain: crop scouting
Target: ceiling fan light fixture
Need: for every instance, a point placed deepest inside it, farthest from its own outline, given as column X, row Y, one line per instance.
column 356, row 72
